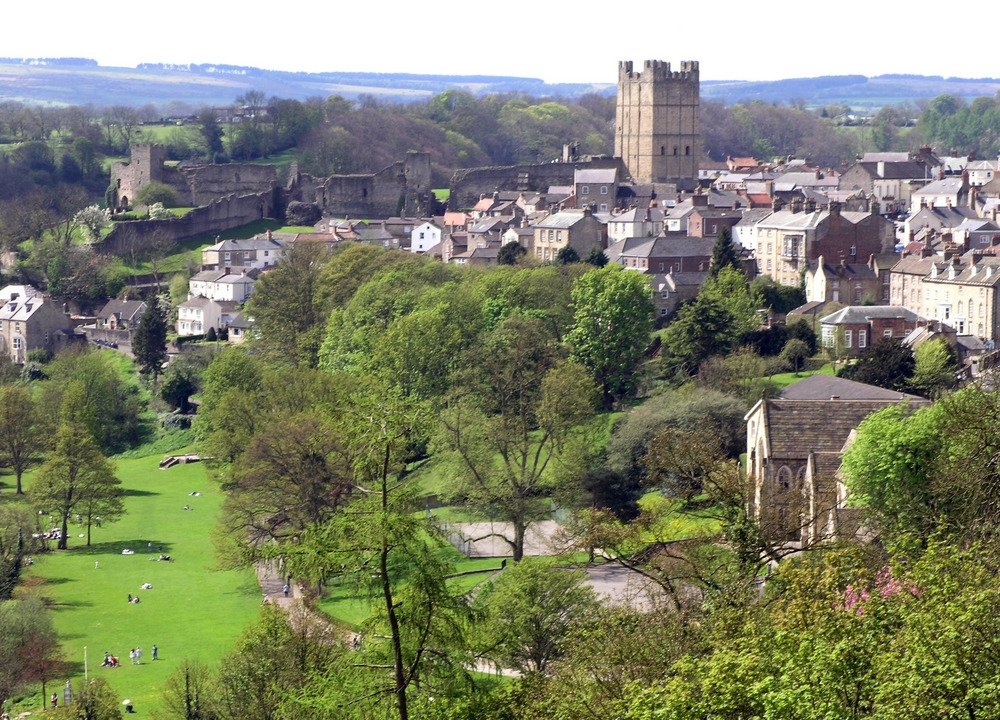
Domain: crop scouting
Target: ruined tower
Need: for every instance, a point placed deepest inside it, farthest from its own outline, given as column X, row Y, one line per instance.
column 658, row 126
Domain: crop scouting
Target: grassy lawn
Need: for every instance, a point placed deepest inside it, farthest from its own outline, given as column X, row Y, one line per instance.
column 783, row 380
column 193, row 610
column 442, row 194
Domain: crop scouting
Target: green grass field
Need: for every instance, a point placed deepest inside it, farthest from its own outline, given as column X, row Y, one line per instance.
column 193, row 610
column 783, row 380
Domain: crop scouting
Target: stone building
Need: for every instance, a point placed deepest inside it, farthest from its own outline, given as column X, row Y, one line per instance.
column 795, row 443
column 658, row 123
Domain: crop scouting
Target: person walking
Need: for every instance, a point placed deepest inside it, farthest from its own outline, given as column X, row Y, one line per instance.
column 131, row 653
column 55, row 700
column 285, row 589
column 154, row 652
column 138, row 656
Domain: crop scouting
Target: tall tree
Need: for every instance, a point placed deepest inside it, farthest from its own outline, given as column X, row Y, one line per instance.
column 724, row 253
column 211, row 133
column 516, row 426
column 29, row 646
column 611, row 325
column 20, row 439
column 76, row 472
column 381, row 543
column 149, row 342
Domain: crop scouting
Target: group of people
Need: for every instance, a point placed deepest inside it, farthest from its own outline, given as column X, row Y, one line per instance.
column 135, row 655
column 133, row 600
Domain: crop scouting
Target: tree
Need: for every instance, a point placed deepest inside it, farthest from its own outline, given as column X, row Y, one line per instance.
column 702, row 329
column 96, row 701
column 177, row 389
column 888, row 364
column 211, row 133
column 935, row 366
column 156, row 192
column 724, row 253
column 20, row 441
column 516, row 425
column 76, row 474
column 288, row 315
column 17, row 526
column 611, row 325
column 391, row 553
column 794, row 352
column 92, row 220
column 29, row 646
column 567, row 255
column 529, row 609
column 596, row 257
column 149, row 341
column 510, row 252
column 189, row 693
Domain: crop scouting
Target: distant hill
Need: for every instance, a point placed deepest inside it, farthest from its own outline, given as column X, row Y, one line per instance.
column 79, row 81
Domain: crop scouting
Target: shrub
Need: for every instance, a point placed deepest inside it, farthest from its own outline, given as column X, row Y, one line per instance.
column 156, row 192
column 300, row 213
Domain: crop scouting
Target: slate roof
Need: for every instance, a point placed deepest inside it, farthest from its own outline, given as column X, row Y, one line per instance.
column 596, row 176
column 799, row 427
column 823, row 387
column 129, row 310
column 857, row 314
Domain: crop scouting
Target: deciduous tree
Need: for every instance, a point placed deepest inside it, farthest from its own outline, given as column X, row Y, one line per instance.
column 611, row 326
column 21, row 439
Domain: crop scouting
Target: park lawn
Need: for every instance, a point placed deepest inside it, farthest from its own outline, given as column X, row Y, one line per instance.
column 193, row 610
column 783, row 380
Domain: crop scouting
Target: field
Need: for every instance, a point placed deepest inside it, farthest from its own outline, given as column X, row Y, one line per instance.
column 193, row 610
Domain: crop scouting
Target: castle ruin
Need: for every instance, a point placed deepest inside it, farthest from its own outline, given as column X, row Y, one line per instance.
column 658, row 125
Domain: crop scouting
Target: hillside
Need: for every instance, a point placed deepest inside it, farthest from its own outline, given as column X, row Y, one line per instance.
column 79, row 82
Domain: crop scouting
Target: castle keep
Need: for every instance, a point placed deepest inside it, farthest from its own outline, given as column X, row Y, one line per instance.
column 658, row 127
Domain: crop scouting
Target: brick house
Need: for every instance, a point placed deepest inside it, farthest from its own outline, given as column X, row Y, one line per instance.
column 676, row 253
column 578, row 229
column 853, row 330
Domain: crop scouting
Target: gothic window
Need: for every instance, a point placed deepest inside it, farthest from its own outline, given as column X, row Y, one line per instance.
column 675, row 149
column 687, row 149
column 785, row 478
column 663, row 150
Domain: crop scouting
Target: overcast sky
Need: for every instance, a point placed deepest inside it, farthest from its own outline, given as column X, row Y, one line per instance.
column 578, row 41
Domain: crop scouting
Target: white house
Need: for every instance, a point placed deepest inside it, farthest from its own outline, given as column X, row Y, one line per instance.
column 197, row 315
column 221, row 285
column 424, row 237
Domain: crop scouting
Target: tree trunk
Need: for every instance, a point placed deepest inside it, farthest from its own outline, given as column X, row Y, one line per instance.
column 20, row 471
column 61, row 545
column 518, row 541
column 390, row 607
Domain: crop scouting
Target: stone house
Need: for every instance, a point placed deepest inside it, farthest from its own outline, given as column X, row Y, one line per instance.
column 962, row 292
column 846, row 283
column 788, row 238
column 260, row 252
column 578, row 229
column 664, row 254
column 596, row 187
column 947, row 192
column 795, row 444
column 30, row 321
column 853, row 330
column 891, row 184
column 669, row 290
column 121, row 314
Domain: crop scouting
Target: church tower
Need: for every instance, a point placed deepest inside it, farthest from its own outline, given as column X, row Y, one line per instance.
column 658, row 125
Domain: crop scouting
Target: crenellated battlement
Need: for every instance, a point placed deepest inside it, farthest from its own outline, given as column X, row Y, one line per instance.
column 657, row 71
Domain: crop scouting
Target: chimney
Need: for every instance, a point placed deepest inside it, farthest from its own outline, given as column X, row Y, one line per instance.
column 796, row 205
column 881, row 168
column 834, row 207
column 835, row 397
column 269, row 233
column 810, row 205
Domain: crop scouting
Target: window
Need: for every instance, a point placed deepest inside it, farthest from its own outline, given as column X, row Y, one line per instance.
column 887, row 333
column 663, row 151
column 857, row 296
column 266, row 252
column 665, row 295
column 847, row 338
column 552, row 234
column 585, row 190
column 862, row 338
column 604, row 207
column 663, row 311
column 559, row 235
column 675, row 149
column 661, row 270
column 18, row 343
column 421, row 236
column 854, row 250
column 604, row 189
column 769, row 266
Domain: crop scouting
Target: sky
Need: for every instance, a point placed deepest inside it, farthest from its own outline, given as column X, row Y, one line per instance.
column 577, row 42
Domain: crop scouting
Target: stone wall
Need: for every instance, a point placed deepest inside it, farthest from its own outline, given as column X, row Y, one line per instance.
column 403, row 188
column 468, row 185
column 219, row 215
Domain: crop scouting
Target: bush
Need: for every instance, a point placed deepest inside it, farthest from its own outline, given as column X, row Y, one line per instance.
column 156, row 192
column 211, row 336
column 300, row 213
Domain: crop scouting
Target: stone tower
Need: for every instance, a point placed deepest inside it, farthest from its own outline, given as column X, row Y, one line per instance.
column 658, row 126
